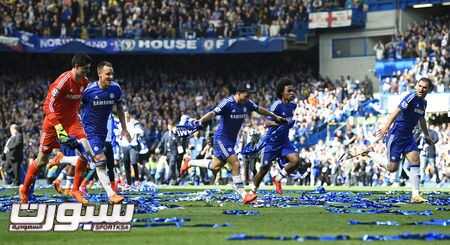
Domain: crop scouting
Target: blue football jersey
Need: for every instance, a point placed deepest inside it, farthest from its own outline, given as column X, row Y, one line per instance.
column 232, row 115
column 412, row 109
column 280, row 134
column 97, row 106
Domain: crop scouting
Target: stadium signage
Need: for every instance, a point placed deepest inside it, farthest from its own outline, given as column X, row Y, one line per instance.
column 71, row 217
column 35, row 44
column 208, row 44
column 56, row 42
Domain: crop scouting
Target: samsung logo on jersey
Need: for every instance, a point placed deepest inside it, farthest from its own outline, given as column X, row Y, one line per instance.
column 238, row 116
column 73, row 96
column 419, row 111
column 103, row 102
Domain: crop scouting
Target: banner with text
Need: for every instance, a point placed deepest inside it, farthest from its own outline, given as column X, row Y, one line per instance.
column 34, row 44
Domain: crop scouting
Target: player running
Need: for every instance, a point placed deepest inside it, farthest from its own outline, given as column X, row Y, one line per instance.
column 277, row 144
column 98, row 100
column 61, row 119
column 110, row 143
column 400, row 140
column 233, row 110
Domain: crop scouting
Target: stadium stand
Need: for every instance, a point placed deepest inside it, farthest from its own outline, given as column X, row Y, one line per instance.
column 427, row 43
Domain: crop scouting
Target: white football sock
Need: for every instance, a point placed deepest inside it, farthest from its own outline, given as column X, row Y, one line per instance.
column 415, row 179
column 238, row 185
column 281, row 175
column 69, row 160
column 104, row 180
column 202, row 163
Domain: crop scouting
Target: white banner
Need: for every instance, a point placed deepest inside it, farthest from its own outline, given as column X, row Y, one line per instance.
column 341, row 18
column 9, row 41
column 330, row 19
column 318, row 20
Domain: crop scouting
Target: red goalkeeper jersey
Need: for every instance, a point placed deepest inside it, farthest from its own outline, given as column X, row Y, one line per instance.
column 62, row 103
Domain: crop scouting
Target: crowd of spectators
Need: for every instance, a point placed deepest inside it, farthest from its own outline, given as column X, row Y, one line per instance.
column 329, row 116
column 160, row 19
column 427, row 42
column 403, row 81
column 152, row 19
column 428, row 38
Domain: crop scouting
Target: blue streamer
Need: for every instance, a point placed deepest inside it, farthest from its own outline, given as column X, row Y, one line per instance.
column 380, row 223
column 154, row 222
column 379, row 211
column 435, row 222
column 431, row 236
column 214, row 226
column 432, row 222
column 442, row 209
column 241, row 212
column 243, row 236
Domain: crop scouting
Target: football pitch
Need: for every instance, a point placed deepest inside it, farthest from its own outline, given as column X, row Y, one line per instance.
column 300, row 212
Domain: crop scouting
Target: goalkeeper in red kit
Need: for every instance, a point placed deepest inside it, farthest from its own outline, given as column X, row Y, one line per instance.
column 61, row 120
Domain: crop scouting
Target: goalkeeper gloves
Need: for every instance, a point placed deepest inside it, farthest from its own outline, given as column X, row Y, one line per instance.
column 61, row 133
column 63, row 137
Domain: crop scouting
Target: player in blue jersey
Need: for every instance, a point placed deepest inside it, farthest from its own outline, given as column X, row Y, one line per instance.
column 400, row 141
column 98, row 100
column 233, row 111
column 110, row 143
column 277, row 144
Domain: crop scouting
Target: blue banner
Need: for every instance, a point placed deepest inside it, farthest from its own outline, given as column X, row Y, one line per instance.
column 33, row 44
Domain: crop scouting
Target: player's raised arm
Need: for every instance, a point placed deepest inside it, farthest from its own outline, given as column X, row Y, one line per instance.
column 207, row 117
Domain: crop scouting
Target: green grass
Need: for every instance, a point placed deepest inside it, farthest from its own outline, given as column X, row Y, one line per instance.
column 272, row 221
